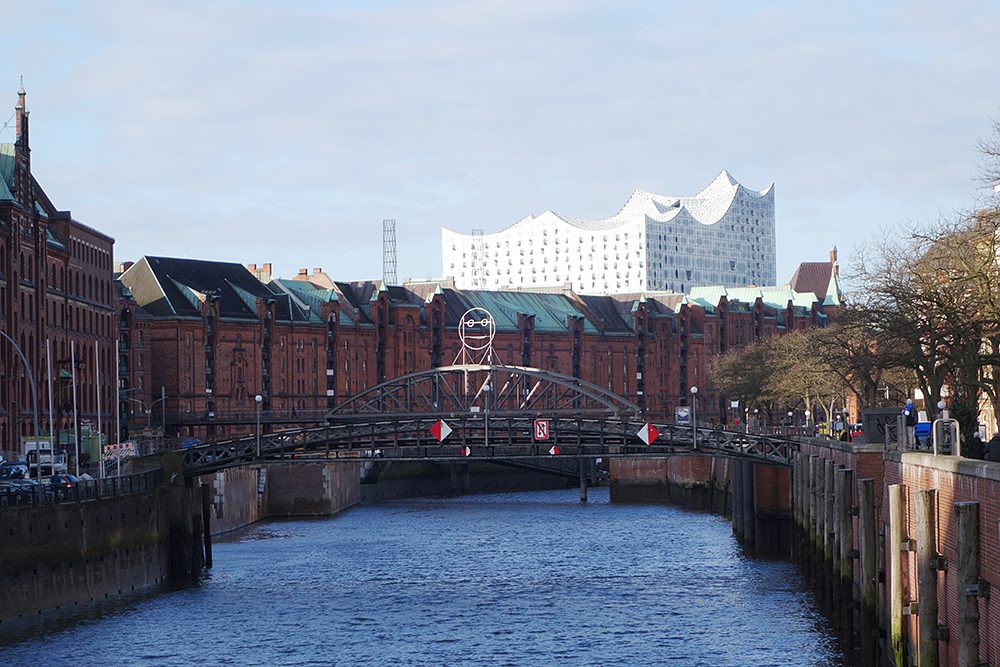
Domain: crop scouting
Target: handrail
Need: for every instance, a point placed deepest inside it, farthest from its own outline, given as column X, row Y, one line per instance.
column 83, row 491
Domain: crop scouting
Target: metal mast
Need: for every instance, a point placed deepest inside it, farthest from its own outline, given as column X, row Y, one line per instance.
column 389, row 252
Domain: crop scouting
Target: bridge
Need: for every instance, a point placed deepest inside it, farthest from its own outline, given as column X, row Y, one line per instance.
column 487, row 412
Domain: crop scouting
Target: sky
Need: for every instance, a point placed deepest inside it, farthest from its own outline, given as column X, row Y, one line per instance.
column 286, row 132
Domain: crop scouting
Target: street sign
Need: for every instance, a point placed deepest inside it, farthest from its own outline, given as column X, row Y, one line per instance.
column 554, row 451
column 440, row 430
column 648, row 433
column 465, row 451
column 682, row 415
column 541, row 429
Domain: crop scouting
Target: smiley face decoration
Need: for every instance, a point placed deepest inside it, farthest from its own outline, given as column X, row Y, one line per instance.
column 476, row 330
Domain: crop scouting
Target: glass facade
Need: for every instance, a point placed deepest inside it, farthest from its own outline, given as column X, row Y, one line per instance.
column 724, row 235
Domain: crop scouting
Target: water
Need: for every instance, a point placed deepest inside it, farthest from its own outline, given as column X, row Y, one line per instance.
column 508, row 579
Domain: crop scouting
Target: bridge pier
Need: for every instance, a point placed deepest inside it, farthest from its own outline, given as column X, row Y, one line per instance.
column 583, row 480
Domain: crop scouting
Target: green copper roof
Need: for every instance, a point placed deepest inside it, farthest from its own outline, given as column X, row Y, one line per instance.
column 551, row 311
column 6, row 172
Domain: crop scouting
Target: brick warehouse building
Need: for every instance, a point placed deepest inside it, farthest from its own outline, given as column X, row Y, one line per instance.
column 56, row 285
column 209, row 336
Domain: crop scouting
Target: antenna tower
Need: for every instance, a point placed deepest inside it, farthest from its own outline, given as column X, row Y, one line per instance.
column 478, row 260
column 389, row 252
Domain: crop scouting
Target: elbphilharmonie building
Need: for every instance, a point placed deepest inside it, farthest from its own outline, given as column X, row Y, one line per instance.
column 724, row 235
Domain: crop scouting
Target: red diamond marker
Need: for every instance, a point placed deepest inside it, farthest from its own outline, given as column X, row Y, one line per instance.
column 648, row 433
column 440, row 430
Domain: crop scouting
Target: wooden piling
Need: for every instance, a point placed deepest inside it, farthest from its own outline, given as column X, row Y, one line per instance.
column 799, row 536
column 837, row 507
column 736, row 506
column 812, row 525
column 829, row 534
column 749, row 507
column 845, row 542
column 967, row 582
column 868, row 622
column 583, row 481
column 897, row 649
column 206, row 513
column 925, row 520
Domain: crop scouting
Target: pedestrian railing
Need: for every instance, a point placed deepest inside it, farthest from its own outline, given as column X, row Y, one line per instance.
column 82, row 490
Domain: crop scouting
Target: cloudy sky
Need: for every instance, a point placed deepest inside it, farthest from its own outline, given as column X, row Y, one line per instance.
column 286, row 131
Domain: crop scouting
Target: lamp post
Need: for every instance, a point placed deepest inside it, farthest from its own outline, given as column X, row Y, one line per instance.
column 756, row 419
column 694, row 416
column 808, row 428
column 790, row 425
column 34, row 402
column 258, row 399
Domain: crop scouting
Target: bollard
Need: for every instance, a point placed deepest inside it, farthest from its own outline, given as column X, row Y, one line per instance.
column 895, row 575
column 967, row 582
column 845, row 540
column 869, row 571
column 925, row 520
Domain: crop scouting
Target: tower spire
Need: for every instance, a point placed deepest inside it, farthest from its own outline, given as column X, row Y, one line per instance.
column 21, row 111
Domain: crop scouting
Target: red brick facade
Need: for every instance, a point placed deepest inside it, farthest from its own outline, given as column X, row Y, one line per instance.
column 56, row 286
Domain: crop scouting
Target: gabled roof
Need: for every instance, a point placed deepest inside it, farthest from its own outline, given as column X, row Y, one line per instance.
column 169, row 287
column 821, row 279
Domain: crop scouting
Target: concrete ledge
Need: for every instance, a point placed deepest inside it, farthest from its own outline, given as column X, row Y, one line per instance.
column 948, row 463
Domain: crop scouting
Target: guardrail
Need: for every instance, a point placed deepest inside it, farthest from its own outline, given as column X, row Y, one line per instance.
column 82, row 490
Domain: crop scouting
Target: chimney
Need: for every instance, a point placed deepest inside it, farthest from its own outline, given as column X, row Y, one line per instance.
column 833, row 260
column 267, row 268
column 125, row 266
column 316, row 272
column 303, row 272
column 251, row 267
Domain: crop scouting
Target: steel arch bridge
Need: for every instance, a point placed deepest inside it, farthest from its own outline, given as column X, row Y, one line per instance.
column 492, row 412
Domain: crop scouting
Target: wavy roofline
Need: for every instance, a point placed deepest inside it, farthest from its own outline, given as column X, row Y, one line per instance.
column 706, row 207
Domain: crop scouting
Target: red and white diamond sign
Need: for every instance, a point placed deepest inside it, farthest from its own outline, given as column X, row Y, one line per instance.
column 554, row 451
column 465, row 451
column 440, row 430
column 648, row 433
column 541, row 429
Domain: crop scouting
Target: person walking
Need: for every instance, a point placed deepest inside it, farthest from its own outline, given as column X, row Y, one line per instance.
column 993, row 449
column 974, row 447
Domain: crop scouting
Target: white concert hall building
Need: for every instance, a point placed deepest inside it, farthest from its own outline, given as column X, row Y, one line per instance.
column 724, row 235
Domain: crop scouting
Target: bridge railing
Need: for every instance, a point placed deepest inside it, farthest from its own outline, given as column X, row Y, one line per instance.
column 82, row 490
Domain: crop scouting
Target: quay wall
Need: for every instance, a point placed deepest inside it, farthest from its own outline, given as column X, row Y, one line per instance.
column 247, row 494
column 903, row 551
column 71, row 558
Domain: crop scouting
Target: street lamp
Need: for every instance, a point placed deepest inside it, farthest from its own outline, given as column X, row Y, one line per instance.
column 756, row 419
column 694, row 416
column 790, row 424
column 34, row 402
column 808, row 430
column 257, row 399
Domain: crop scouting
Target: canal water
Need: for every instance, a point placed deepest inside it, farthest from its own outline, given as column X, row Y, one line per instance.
column 507, row 579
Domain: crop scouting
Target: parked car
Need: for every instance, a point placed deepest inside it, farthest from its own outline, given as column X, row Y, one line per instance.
column 18, row 490
column 62, row 486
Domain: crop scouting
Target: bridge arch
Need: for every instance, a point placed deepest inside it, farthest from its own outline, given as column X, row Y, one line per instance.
column 499, row 390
